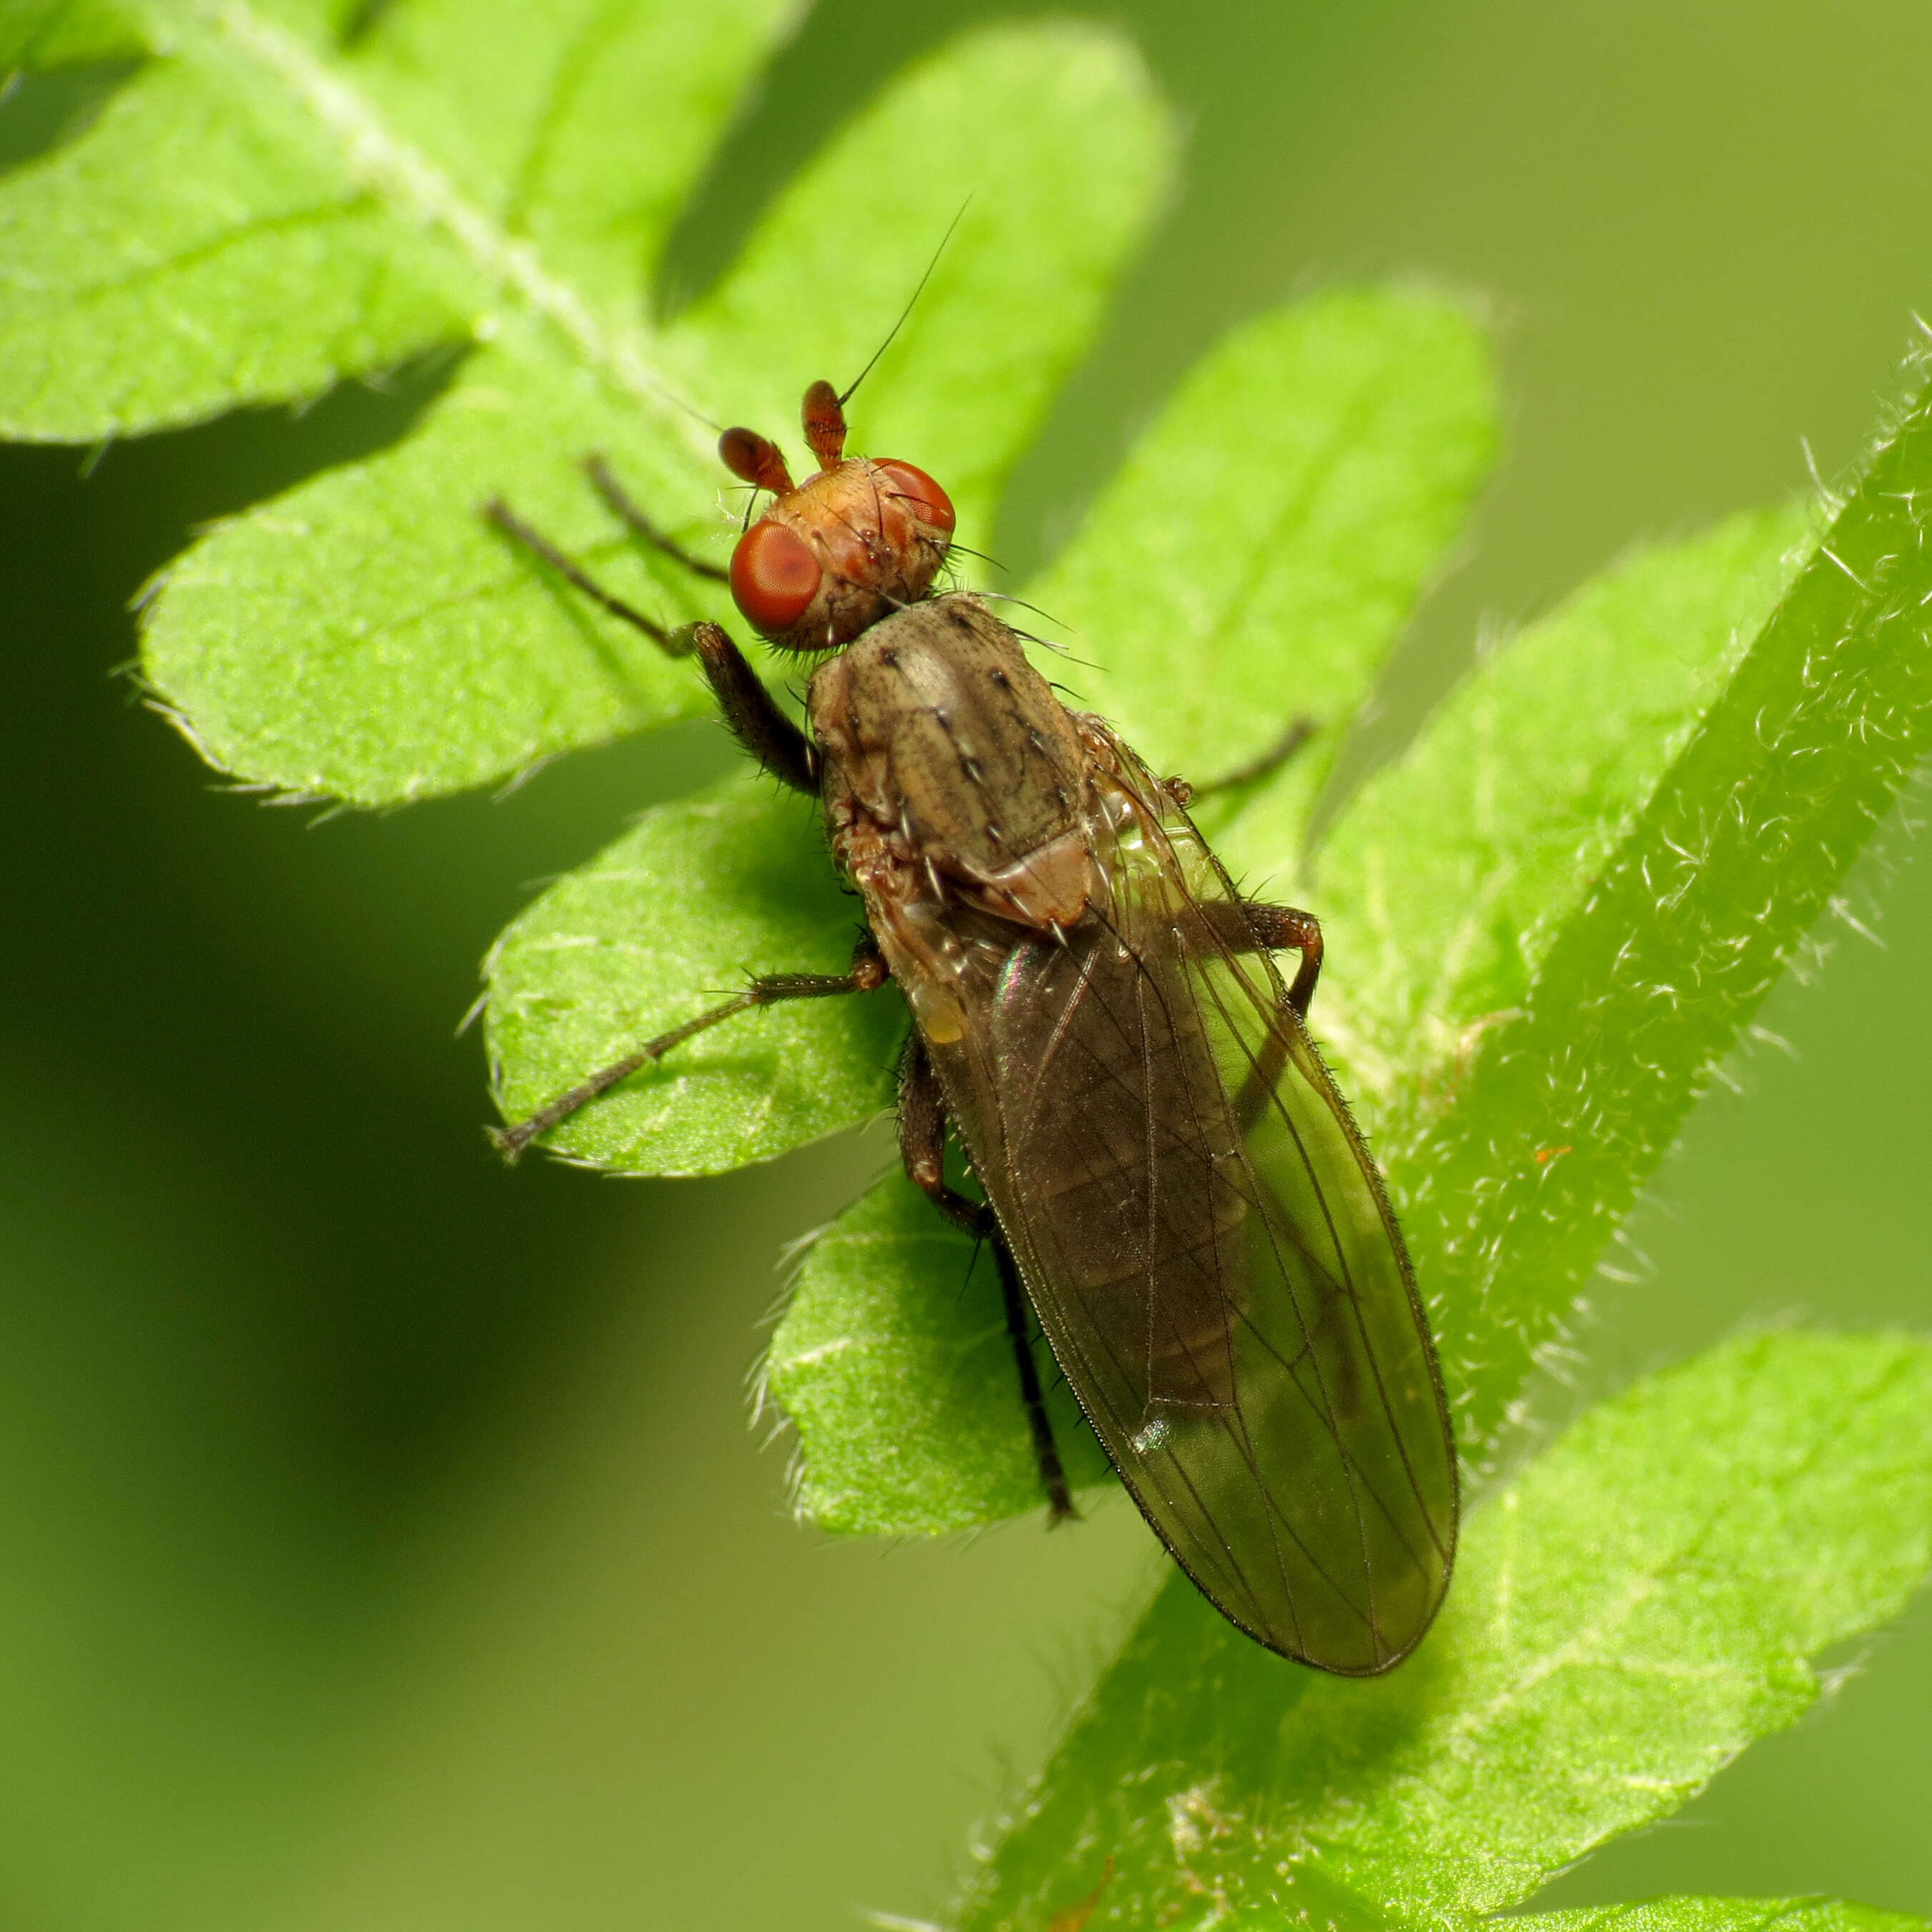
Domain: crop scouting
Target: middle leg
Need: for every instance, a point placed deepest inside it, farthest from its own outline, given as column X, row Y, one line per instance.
column 1298, row 734
column 1246, row 925
column 1277, row 755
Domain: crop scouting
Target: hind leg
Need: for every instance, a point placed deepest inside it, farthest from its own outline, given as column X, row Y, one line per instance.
column 922, row 1116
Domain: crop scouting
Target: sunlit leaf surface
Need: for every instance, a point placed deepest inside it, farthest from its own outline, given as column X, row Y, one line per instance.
column 1726, row 1915
column 1631, row 1611
column 669, row 921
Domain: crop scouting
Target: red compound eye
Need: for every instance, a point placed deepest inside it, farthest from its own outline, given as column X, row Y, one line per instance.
column 924, row 497
column 774, row 577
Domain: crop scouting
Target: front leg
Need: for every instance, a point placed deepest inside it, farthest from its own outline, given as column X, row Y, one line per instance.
column 751, row 711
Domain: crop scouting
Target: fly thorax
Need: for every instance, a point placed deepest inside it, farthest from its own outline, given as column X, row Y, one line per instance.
column 936, row 726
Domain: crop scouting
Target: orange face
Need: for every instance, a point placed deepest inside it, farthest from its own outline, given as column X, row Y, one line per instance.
column 860, row 539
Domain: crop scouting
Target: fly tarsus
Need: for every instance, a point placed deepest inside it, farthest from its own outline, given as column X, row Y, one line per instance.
column 498, row 513
column 1286, row 929
column 922, row 1124
column 1246, row 925
column 1271, row 761
column 867, row 975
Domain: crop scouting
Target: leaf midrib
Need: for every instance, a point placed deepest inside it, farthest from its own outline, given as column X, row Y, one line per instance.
column 396, row 172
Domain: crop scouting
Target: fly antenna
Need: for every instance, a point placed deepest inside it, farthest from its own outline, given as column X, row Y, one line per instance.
column 662, row 389
column 693, row 411
column 907, row 309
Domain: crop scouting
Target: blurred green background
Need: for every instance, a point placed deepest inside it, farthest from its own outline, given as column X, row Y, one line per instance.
column 382, row 1542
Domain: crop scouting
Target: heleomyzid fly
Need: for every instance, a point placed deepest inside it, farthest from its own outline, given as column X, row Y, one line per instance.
column 1170, row 1178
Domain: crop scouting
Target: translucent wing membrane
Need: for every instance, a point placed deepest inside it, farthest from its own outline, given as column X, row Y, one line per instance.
column 1210, row 1251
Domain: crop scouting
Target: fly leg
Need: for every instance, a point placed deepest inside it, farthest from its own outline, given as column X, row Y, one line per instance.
column 751, row 711
column 604, row 482
column 868, row 974
column 1276, row 755
column 922, row 1115
column 1246, row 925
column 1283, row 929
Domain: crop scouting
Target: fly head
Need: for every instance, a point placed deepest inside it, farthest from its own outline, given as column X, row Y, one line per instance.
column 860, row 538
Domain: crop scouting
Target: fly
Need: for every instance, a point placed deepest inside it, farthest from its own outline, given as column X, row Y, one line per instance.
column 1172, row 1179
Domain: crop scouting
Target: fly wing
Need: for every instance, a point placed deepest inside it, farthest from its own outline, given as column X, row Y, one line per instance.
column 1212, row 1255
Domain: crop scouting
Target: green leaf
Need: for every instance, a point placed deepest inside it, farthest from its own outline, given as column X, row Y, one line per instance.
column 1461, row 879
column 255, row 216
column 1637, row 1606
column 45, row 36
column 1686, row 1915
column 1591, row 1003
column 664, row 924
column 577, row 128
column 367, row 637
column 1498, row 824
column 1266, row 538
column 938, row 1456
column 1724, row 1915
column 150, row 270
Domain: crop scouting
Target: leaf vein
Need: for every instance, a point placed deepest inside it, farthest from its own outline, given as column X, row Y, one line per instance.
column 289, row 221
column 402, row 176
